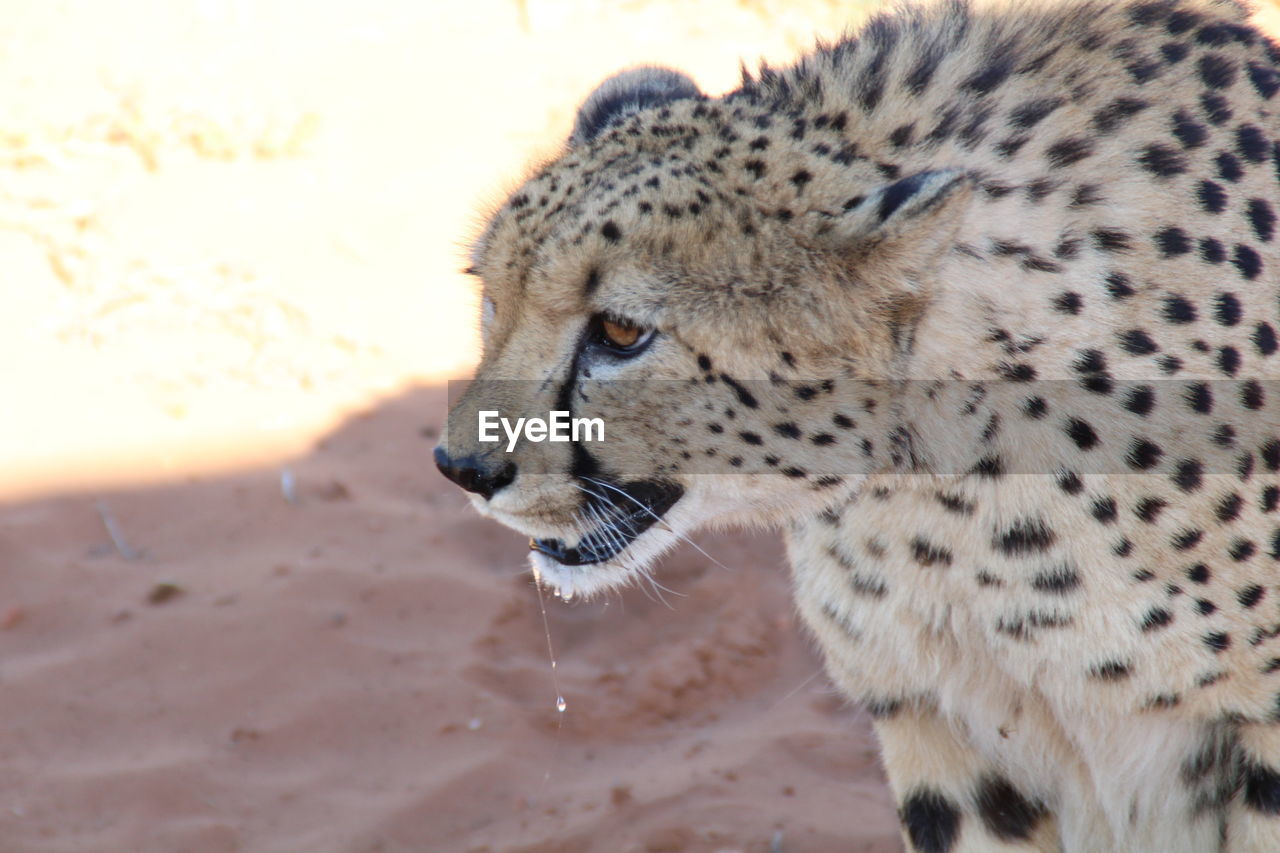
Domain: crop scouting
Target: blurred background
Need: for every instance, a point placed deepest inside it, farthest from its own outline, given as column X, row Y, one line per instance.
column 224, row 223
column 239, row 609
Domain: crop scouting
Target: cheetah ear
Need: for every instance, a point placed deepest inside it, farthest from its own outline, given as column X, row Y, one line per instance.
column 915, row 218
column 627, row 92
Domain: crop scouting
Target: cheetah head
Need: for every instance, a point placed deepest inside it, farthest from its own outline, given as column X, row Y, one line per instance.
column 733, row 315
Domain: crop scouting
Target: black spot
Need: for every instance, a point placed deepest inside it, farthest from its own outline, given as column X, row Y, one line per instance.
column 1024, row 536
column 1251, row 143
column 1261, row 218
column 787, row 430
column 1156, row 617
column 1137, row 342
column 1085, row 195
column 751, row 438
column 1178, row 309
column 1269, row 499
column 1250, row 595
column 1067, row 151
column 1070, row 483
column 1199, row 398
column 1185, row 540
column 1205, row 607
column 1229, row 168
column 843, row 421
column 1143, row 455
column 1090, row 361
column 1218, row 641
column 1199, row 573
column 1116, row 113
column 1162, row 161
column 1081, row 433
column 610, row 232
column 1229, row 360
column 1149, row 509
column 1174, row 52
column 797, row 473
column 901, row 136
column 756, row 167
column 1271, row 454
column 1170, row 364
column 1030, row 114
column 1220, row 33
column 1140, row 400
column 1265, row 80
column 744, row 396
column 1228, row 509
column 1242, row 549
column 954, row 504
column 1188, row 131
column 1172, row 242
column 1067, row 302
column 931, row 820
column 1006, row 813
column 1189, row 475
column 992, row 76
column 989, row 467
column 1226, row 309
column 928, row 554
column 1261, row 788
column 1212, row 197
column 1119, row 285
column 1217, row 71
column 823, row 439
column 1110, row 671
column 1104, row 510
column 1264, row 338
column 1216, row 108
column 1017, row 372
column 800, row 178
column 1212, row 251
column 1057, row 581
column 1224, row 435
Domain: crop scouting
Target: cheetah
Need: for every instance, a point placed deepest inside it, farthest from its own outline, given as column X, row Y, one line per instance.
column 979, row 306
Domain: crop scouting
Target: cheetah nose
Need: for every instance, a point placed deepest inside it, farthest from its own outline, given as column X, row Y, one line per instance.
column 472, row 473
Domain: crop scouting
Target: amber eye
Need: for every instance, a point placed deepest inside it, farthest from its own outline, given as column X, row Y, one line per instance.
column 620, row 336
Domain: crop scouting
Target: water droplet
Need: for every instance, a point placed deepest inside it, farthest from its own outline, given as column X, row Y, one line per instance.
column 561, row 704
column 474, row 723
column 567, row 594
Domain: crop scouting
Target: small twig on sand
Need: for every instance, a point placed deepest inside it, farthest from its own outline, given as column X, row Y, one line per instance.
column 113, row 530
column 288, row 486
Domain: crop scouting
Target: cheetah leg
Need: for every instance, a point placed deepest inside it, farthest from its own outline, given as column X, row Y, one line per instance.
column 950, row 800
column 1253, row 816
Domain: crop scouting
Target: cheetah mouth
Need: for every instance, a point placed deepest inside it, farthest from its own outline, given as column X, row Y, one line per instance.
column 621, row 513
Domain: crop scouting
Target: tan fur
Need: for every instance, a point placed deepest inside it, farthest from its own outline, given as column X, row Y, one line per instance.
column 1069, row 641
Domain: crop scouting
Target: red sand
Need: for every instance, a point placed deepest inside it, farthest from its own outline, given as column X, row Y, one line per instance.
column 367, row 670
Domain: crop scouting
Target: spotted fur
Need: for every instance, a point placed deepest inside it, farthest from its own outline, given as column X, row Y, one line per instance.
column 981, row 306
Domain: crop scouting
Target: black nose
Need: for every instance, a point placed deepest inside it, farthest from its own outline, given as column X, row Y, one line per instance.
column 474, row 475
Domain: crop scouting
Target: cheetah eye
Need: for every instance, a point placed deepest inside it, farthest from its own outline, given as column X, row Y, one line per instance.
column 620, row 336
